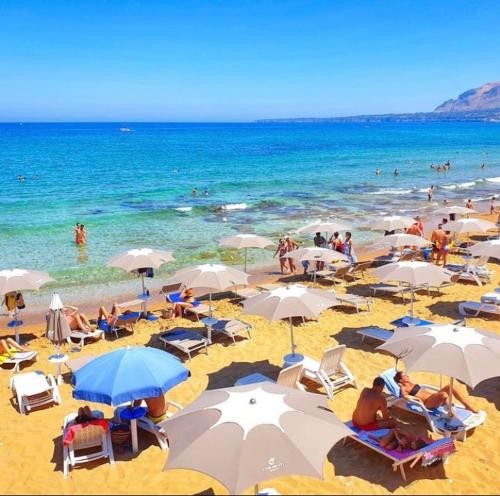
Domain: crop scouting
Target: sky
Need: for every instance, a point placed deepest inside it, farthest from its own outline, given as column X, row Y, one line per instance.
column 240, row 60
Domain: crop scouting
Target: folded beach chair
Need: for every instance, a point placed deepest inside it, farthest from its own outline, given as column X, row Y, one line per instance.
column 288, row 377
column 376, row 333
column 185, row 340
column 232, row 328
column 16, row 358
column 92, row 439
column 34, row 389
column 437, row 418
column 81, row 336
column 145, row 423
column 353, row 300
column 331, row 372
column 438, row 450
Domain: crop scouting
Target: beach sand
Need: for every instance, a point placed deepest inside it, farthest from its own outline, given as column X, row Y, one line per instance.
column 31, row 446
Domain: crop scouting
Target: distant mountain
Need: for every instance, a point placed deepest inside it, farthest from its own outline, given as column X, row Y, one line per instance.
column 486, row 97
column 480, row 104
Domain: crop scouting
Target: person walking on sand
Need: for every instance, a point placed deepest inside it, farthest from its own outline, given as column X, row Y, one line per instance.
column 290, row 246
column 348, row 248
column 281, row 251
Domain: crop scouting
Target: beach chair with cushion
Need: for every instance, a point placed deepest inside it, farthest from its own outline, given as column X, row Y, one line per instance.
column 232, row 328
column 197, row 309
column 288, row 377
column 81, row 336
column 331, row 372
column 124, row 323
column 437, row 418
column 438, row 450
column 146, row 424
column 356, row 301
column 83, row 443
column 16, row 358
column 474, row 308
column 185, row 340
column 34, row 389
column 376, row 333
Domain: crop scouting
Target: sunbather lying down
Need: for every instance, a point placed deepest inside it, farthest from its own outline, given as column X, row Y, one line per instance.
column 77, row 321
column 8, row 347
column 401, row 440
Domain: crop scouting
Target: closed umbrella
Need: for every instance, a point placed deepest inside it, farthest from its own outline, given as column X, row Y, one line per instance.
column 141, row 258
column 128, row 374
column 392, row 222
column 316, row 254
column 287, row 302
column 464, row 353
column 213, row 277
column 12, row 280
column 489, row 248
column 245, row 241
column 244, row 435
column 413, row 273
column 57, row 329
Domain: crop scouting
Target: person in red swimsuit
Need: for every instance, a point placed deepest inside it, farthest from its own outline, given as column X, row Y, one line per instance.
column 371, row 401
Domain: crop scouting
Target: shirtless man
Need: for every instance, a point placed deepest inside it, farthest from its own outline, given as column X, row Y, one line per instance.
column 444, row 248
column 469, row 204
column 370, row 402
column 290, row 246
column 436, row 239
column 431, row 400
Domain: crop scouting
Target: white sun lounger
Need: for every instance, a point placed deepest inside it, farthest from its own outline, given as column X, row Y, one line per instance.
column 34, row 389
column 331, row 372
column 353, row 300
column 474, row 308
column 185, row 340
column 81, row 336
column 18, row 357
column 246, row 292
column 232, row 328
column 440, row 449
column 376, row 333
column 86, row 438
column 145, row 423
column 201, row 309
column 288, row 377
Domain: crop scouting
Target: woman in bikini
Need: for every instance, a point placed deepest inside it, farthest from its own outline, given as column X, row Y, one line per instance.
column 281, row 250
column 77, row 321
column 430, row 400
column 105, row 320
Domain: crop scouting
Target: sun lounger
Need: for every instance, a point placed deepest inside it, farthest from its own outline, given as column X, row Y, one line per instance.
column 376, row 333
column 76, row 363
column 246, row 292
column 437, row 418
column 269, row 286
column 409, row 321
column 148, row 425
column 397, row 289
column 185, row 340
column 197, row 309
column 16, row 358
column 231, row 328
column 34, row 389
column 454, row 278
column 477, row 273
column 353, row 300
column 331, row 372
column 438, row 450
column 82, row 336
column 125, row 322
column 358, row 270
column 474, row 308
column 93, row 435
column 288, row 377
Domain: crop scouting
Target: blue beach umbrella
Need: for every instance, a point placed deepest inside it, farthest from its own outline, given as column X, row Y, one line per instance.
column 128, row 374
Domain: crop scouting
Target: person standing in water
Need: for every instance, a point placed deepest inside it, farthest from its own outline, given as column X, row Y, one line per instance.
column 77, row 233
column 348, row 248
column 396, row 172
column 281, row 251
column 430, row 192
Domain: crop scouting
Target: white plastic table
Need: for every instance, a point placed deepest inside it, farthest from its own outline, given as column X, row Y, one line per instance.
column 58, row 360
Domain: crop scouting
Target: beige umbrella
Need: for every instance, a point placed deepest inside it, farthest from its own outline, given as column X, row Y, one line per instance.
column 402, row 240
column 463, row 353
column 467, row 226
column 489, row 248
column 287, row 302
column 327, row 226
column 245, row 435
column 455, row 209
column 392, row 222
column 213, row 277
column 245, row 241
column 414, row 274
column 12, row 280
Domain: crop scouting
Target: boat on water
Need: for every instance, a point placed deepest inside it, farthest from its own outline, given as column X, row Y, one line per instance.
column 125, row 129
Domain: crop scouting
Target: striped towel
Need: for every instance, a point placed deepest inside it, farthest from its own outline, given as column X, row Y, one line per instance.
column 445, row 447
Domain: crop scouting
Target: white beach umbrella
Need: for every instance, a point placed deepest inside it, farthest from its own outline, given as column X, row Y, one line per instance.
column 245, row 241
column 290, row 301
column 455, row 209
column 489, row 248
column 414, row 274
column 213, row 277
column 141, row 258
column 463, row 226
column 327, row 226
column 12, row 280
column 402, row 239
column 392, row 222
column 464, row 353
column 244, row 435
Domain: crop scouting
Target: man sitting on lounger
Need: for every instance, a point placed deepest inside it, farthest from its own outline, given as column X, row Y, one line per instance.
column 430, row 400
column 370, row 402
column 187, row 299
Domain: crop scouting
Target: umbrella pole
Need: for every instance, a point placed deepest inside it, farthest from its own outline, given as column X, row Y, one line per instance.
column 144, row 304
column 210, row 303
column 412, row 301
column 291, row 334
column 246, row 251
column 16, row 327
column 256, row 489
column 450, row 399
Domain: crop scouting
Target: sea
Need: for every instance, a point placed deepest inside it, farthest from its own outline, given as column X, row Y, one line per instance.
column 133, row 188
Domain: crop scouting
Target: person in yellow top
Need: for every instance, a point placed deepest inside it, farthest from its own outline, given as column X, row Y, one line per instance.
column 13, row 300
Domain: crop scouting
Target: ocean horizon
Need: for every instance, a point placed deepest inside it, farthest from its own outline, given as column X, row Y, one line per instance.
column 133, row 189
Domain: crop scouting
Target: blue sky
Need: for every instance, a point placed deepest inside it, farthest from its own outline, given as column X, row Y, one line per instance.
column 209, row 60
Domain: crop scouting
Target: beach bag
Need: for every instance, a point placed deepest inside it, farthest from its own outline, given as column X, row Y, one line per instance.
column 20, row 301
column 120, row 434
column 149, row 272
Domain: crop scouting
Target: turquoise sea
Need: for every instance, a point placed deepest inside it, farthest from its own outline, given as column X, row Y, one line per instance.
column 133, row 189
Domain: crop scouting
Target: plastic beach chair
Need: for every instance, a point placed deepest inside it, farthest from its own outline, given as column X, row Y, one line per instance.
column 288, row 377
column 34, row 389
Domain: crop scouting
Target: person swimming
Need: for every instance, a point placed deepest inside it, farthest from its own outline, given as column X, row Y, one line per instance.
column 377, row 171
column 396, row 172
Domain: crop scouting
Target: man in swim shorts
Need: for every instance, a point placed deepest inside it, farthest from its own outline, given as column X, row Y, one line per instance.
column 371, row 401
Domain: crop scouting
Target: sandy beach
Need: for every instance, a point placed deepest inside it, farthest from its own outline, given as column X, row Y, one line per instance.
column 31, row 445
